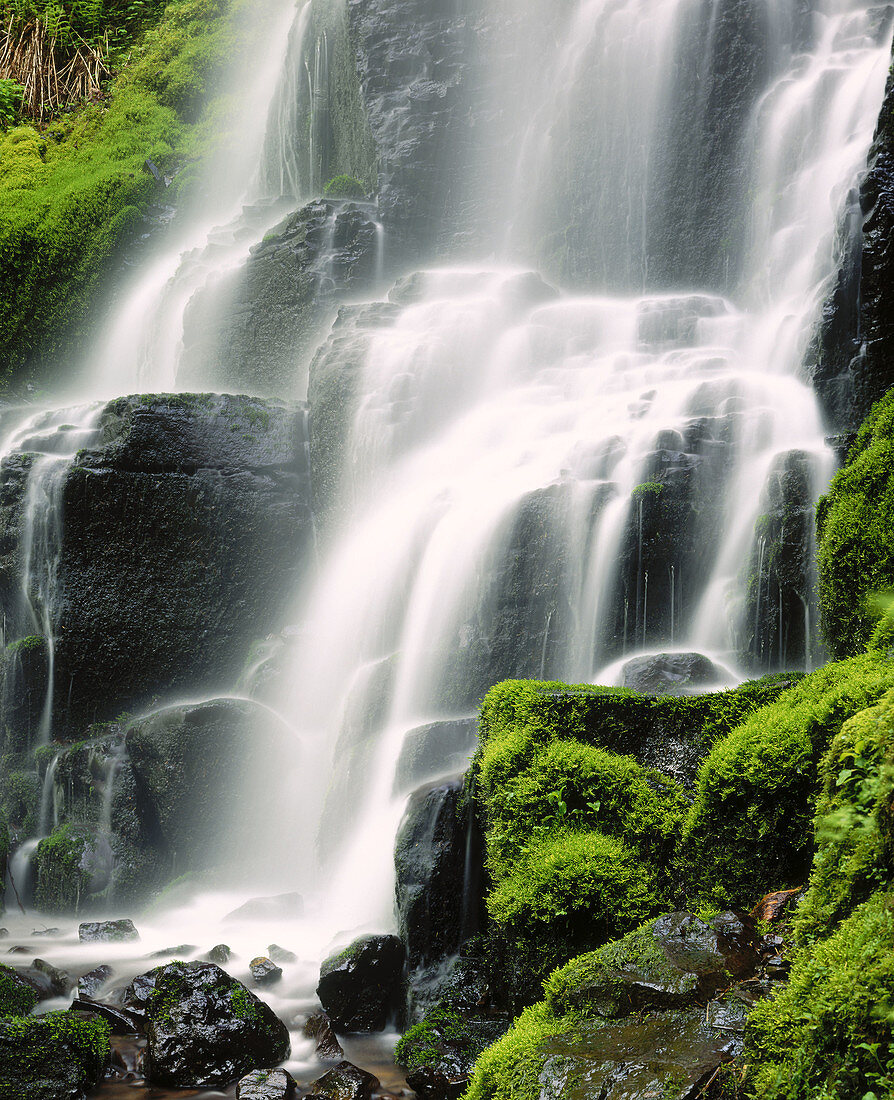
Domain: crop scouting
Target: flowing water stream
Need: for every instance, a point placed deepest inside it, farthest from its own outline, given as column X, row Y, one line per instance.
column 512, row 442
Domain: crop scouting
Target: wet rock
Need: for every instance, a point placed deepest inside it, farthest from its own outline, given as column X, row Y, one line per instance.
column 662, row 1055
column 220, row 954
column 120, row 1020
column 206, row 1030
column 47, row 980
column 185, row 523
column 17, row 995
column 60, row 1056
column 280, row 954
column 430, row 864
column 93, row 981
column 433, row 750
column 20, row 949
column 108, row 931
column 319, row 1027
column 670, row 674
column 45, row 932
column 345, row 1082
column 266, row 1084
column 72, row 864
column 360, row 987
column 726, row 948
column 264, row 971
column 444, row 1048
column 273, row 908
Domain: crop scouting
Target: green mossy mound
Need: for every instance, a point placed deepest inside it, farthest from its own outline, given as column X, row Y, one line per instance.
column 72, row 194
column 854, row 523
column 829, row 1034
column 53, row 1057
column 65, row 870
column 17, row 998
column 751, row 826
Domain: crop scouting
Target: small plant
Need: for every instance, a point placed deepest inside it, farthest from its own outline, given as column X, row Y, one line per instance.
column 344, row 187
column 11, row 95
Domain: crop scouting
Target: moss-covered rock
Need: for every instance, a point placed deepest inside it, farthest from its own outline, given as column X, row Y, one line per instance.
column 751, row 824
column 60, row 1056
column 17, row 997
column 854, row 521
column 72, row 865
column 829, row 1033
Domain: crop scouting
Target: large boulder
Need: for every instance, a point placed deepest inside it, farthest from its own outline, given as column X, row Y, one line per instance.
column 360, row 987
column 185, row 520
column 670, row 674
column 204, row 1028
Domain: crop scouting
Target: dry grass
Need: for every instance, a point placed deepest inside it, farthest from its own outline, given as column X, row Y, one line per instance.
column 53, row 74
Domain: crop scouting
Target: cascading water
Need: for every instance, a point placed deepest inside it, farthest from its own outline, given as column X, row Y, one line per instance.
column 535, row 483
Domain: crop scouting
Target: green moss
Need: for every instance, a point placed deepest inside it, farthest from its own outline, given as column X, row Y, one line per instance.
column 648, row 488
column 33, row 641
column 751, row 825
column 424, row 1043
column 53, row 1055
column 511, row 1068
column 63, row 876
column 854, row 523
column 20, row 799
column 71, row 196
column 829, row 1033
column 17, row 998
column 344, row 187
column 571, row 891
column 854, row 826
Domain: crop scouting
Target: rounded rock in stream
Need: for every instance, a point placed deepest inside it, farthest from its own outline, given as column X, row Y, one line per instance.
column 206, row 1030
column 266, row 1084
column 670, row 674
column 264, row 971
column 345, row 1082
column 360, row 986
column 108, row 931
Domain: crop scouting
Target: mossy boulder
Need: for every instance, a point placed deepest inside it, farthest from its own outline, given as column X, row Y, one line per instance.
column 73, row 865
column 440, row 1051
column 205, row 1029
column 830, row 1032
column 17, row 997
column 360, row 988
column 61, row 1056
column 751, row 824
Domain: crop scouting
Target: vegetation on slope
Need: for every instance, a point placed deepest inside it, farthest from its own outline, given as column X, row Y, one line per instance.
column 74, row 191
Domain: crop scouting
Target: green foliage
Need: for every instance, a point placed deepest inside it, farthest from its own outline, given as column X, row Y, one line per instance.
column 20, row 798
column 72, row 195
column 17, row 998
column 647, row 488
column 33, row 641
column 345, row 187
column 89, row 21
column 510, row 1069
column 829, row 1034
column 11, row 94
column 854, row 822
column 854, row 523
column 750, row 827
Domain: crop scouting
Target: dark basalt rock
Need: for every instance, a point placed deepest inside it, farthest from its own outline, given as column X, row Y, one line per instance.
column 185, row 522
column 433, row 750
column 319, row 1027
column 108, row 931
column 345, row 1082
column 220, row 954
column 360, row 987
column 726, row 948
column 47, row 980
column 264, row 971
column 255, row 325
column 206, row 1030
column 264, row 1084
column 61, row 1056
column 664, row 1055
column 447, row 1048
column 120, row 1020
column 430, row 857
column 670, row 673
column 93, row 981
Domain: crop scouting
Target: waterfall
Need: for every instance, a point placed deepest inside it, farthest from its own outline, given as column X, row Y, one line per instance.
column 548, row 446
